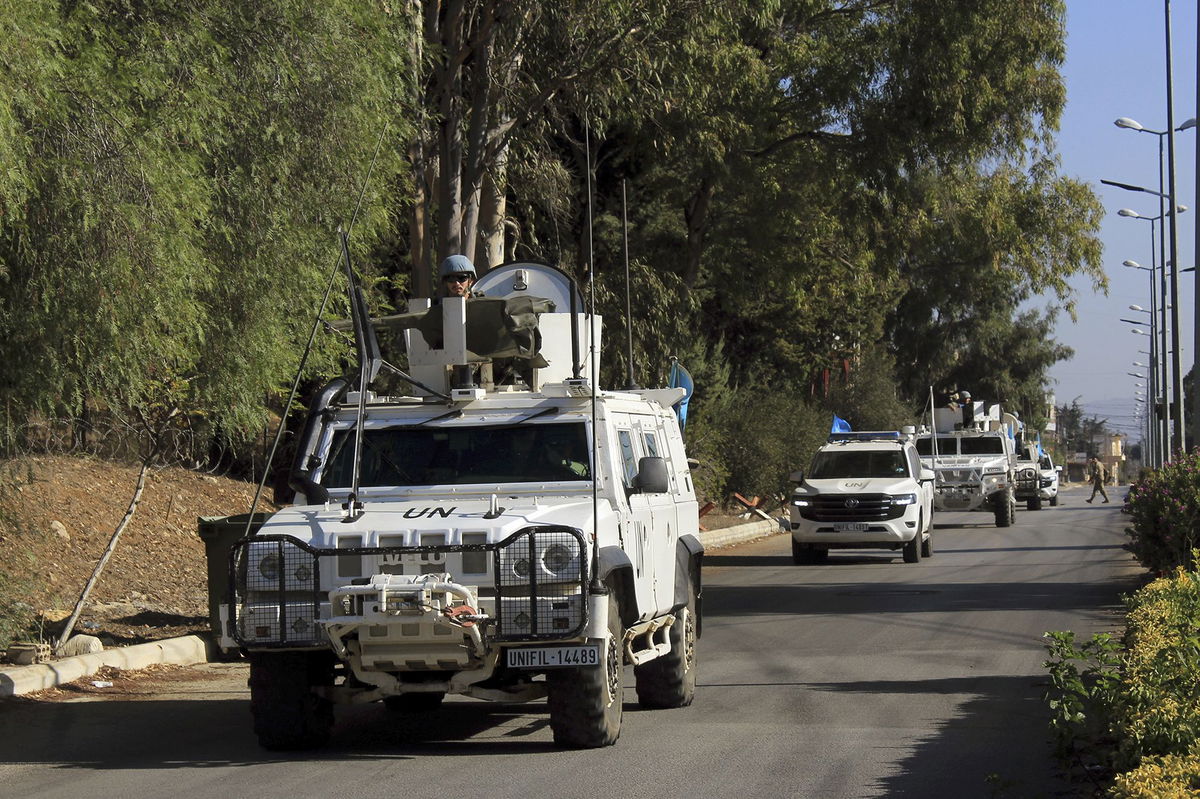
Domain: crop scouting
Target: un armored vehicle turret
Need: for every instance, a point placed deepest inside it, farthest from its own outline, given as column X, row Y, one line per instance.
column 971, row 450
column 506, row 532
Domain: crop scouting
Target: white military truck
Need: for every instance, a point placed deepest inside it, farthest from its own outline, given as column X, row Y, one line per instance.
column 865, row 490
column 1037, row 480
column 971, row 451
column 499, row 539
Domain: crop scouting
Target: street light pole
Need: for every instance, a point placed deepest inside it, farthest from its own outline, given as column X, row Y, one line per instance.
column 1177, row 373
column 1168, row 414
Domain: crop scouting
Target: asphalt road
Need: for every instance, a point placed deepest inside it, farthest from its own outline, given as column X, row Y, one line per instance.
column 861, row 677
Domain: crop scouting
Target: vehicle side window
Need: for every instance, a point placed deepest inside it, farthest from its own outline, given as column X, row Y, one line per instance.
column 651, row 445
column 628, row 458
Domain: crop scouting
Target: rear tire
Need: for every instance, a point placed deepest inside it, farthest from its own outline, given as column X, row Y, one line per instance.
column 586, row 703
column 287, row 714
column 927, row 546
column 670, row 680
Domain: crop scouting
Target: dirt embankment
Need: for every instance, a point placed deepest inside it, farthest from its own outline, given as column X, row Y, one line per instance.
column 57, row 515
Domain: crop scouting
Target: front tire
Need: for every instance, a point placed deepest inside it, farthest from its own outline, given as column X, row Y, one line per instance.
column 670, row 680
column 1034, row 504
column 1054, row 501
column 912, row 549
column 1005, row 510
column 807, row 555
column 287, row 713
column 586, row 703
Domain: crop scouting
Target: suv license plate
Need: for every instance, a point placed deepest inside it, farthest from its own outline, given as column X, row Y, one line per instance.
column 851, row 527
column 552, row 657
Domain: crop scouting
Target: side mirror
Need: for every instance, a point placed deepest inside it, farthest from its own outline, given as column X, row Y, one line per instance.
column 652, row 476
column 796, row 477
column 927, row 474
column 1058, row 469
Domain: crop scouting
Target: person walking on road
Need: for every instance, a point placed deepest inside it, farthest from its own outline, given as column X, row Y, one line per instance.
column 1096, row 474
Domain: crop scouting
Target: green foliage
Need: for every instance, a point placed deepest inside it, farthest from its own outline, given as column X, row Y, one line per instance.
column 1084, row 684
column 1164, row 506
column 179, row 198
column 750, row 440
column 1127, row 718
column 868, row 398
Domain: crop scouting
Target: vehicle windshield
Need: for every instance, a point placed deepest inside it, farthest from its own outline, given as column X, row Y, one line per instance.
column 946, row 445
column 988, row 445
column 419, row 456
column 836, row 465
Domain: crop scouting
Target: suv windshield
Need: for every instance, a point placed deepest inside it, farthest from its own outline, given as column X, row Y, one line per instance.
column 835, row 464
column 989, row 445
column 418, row 456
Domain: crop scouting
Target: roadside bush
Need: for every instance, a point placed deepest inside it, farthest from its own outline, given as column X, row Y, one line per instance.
column 1165, row 506
column 1128, row 718
column 750, row 441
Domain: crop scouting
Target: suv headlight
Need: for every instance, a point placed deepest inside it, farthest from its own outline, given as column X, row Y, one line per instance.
column 904, row 499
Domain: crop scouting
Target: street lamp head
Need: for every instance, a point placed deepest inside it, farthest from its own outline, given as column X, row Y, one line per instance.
column 1126, row 122
column 1191, row 123
column 1138, row 308
column 1129, row 212
column 1139, row 364
column 1137, row 331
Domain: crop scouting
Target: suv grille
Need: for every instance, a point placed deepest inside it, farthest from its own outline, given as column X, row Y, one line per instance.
column 851, row 508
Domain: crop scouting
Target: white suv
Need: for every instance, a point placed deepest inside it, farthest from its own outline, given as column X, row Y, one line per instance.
column 865, row 490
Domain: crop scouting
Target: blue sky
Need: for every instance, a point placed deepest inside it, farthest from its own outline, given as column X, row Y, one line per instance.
column 1116, row 67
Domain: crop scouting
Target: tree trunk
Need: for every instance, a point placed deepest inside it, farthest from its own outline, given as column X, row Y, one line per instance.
column 695, row 214
column 112, row 545
column 493, row 207
column 450, row 147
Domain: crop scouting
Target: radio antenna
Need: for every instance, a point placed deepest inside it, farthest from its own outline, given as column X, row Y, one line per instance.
column 630, row 383
column 593, row 370
column 311, row 338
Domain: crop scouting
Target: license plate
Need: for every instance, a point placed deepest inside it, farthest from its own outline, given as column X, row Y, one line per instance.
column 851, row 527
column 553, row 657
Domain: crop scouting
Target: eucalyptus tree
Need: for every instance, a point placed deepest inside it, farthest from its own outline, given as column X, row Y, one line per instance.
column 171, row 220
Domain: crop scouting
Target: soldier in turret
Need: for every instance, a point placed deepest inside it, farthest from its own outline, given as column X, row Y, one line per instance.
column 457, row 276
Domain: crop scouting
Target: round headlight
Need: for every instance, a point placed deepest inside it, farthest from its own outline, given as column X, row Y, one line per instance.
column 268, row 567
column 557, row 559
column 521, row 568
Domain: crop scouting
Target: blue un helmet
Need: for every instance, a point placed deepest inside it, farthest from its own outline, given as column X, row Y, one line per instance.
column 457, row 265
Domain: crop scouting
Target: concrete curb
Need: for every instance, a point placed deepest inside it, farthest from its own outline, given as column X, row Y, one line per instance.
column 739, row 533
column 183, row 651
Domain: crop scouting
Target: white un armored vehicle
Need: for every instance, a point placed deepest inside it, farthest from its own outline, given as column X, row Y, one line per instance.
column 971, row 450
column 506, row 533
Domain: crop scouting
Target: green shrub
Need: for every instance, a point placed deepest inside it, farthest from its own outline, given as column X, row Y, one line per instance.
column 1131, row 715
column 1166, row 777
column 1165, row 507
